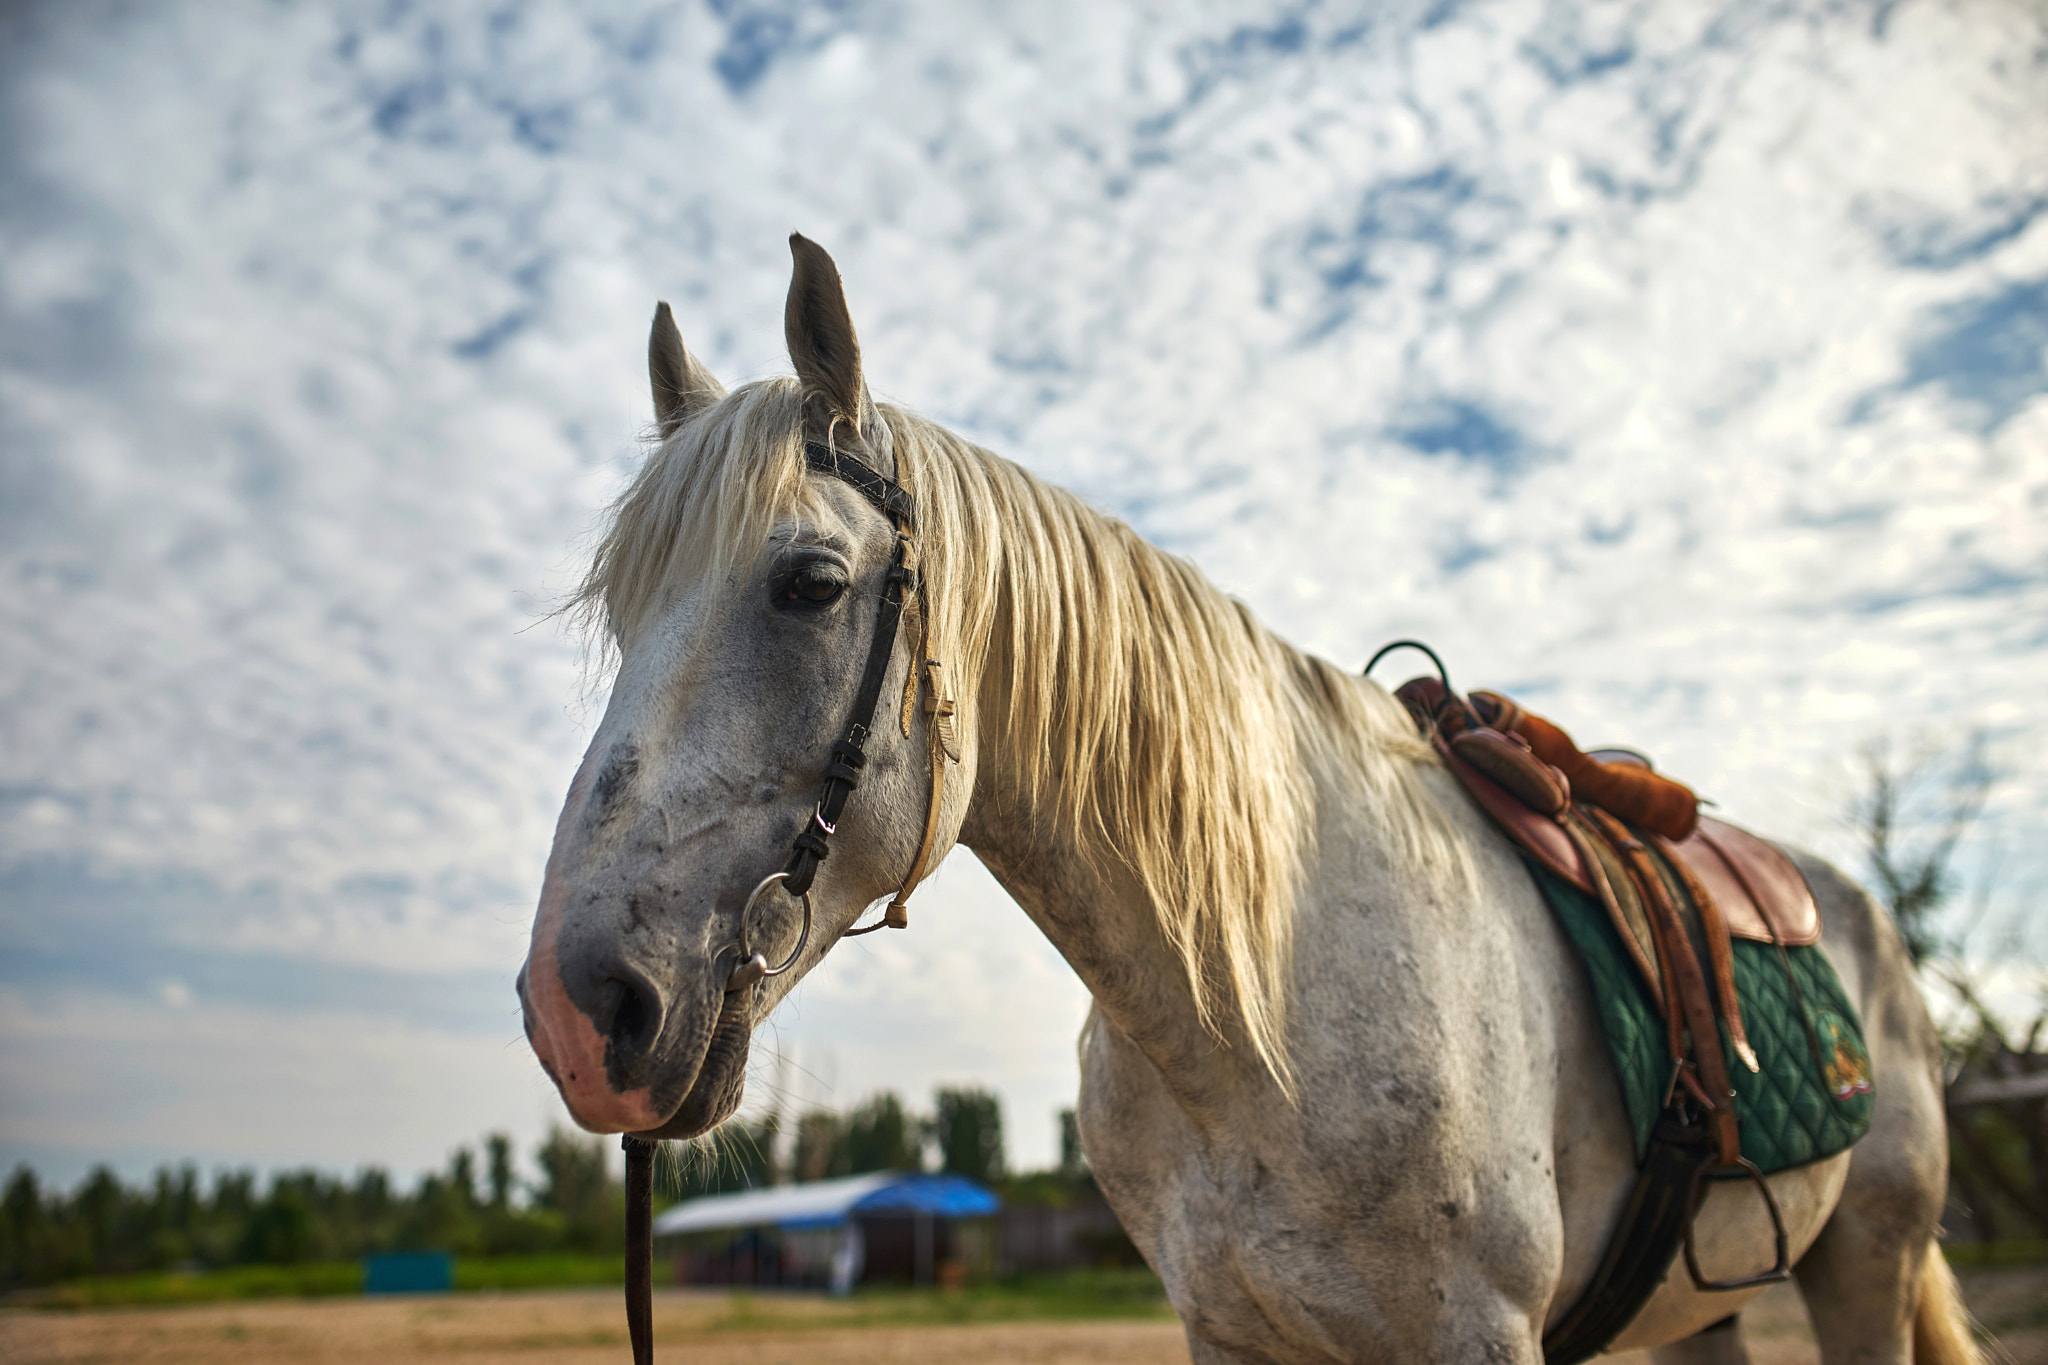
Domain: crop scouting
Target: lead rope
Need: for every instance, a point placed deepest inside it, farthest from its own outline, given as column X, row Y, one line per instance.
column 640, row 1246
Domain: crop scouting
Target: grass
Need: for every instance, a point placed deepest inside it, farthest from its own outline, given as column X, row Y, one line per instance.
column 168, row 1287
column 320, row 1279
column 2016, row 1252
column 557, row 1271
column 1070, row 1296
column 1083, row 1294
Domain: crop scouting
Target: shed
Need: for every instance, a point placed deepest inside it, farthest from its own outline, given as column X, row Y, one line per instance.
column 831, row 1233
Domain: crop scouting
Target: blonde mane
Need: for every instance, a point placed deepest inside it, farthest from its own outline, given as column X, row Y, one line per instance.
column 1146, row 714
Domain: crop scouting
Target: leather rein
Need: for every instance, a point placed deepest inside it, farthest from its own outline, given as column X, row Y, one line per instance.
column 842, row 774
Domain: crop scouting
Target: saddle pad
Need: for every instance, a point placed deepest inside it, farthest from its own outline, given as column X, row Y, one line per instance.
column 1811, row 1099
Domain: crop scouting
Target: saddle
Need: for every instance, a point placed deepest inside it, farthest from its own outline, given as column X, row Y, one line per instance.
column 1610, row 839
column 1526, row 772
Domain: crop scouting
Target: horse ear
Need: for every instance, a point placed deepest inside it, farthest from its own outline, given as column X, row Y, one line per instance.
column 682, row 387
column 820, row 334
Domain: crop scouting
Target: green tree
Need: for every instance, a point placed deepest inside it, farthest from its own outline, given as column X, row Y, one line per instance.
column 98, row 1209
column 577, row 1186
column 1073, row 1161
column 23, row 1233
column 105, row 1226
column 968, row 1126
column 462, row 1175
column 283, row 1229
column 818, row 1145
column 1911, row 819
column 166, row 1232
column 498, row 1148
column 441, row 1218
column 878, row 1136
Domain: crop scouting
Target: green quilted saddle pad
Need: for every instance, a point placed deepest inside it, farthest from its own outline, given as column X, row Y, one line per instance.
column 1812, row 1097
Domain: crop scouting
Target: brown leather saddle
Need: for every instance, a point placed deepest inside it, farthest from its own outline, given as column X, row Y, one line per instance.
column 1607, row 823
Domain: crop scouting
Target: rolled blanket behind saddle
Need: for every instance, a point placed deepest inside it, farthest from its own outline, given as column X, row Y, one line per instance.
column 1632, row 794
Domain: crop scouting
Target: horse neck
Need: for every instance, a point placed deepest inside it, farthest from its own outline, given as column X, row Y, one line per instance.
column 1099, row 917
column 1070, row 881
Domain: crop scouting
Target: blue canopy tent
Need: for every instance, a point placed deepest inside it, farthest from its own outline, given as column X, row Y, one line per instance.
column 829, row 1232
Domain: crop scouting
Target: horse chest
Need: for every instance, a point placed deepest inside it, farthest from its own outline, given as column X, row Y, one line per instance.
column 1378, row 1228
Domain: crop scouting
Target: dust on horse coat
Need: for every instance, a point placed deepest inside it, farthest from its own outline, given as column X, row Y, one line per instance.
column 1341, row 1081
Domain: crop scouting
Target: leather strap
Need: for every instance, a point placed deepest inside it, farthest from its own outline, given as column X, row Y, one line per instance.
column 1758, row 881
column 849, row 752
column 1683, row 976
column 1645, row 959
column 897, row 916
column 1720, row 953
column 1544, row 836
column 891, row 498
column 640, row 1246
column 1653, row 1224
column 1632, row 791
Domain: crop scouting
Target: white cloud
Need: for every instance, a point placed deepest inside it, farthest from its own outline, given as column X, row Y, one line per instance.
column 90, row 1076
column 1667, row 364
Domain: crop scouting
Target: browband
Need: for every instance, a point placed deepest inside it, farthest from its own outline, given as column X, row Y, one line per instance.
column 891, row 498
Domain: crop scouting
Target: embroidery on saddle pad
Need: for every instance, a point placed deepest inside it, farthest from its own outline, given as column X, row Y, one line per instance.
column 1813, row 1096
column 1845, row 1063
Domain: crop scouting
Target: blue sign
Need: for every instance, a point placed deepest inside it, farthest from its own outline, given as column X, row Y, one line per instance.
column 409, row 1272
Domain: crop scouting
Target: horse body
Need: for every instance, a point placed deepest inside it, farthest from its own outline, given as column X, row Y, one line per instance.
column 1341, row 1082
column 1458, row 1152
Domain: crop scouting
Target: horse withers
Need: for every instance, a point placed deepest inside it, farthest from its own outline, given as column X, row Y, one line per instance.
column 1341, row 1080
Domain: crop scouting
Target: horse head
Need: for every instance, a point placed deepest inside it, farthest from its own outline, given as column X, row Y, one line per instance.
column 746, row 593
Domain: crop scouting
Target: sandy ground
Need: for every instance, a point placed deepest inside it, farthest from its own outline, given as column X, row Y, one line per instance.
column 585, row 1328
column 567, row 1328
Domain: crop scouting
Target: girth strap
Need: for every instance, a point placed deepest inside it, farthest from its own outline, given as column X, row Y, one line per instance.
column 1653, row 1224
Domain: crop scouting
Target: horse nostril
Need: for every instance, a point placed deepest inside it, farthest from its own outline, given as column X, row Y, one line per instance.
column 629, row 1013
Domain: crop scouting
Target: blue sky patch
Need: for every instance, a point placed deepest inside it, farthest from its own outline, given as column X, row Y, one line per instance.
column 1464, row 430
column 1987, row 355
column 1919, row 238
column 1446, row 210
column 759, row 35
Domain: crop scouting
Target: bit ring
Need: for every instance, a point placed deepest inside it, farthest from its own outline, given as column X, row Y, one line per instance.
column 754, row 967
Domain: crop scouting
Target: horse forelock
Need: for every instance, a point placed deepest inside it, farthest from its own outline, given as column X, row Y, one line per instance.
column 699, row 508
column 1146, row 713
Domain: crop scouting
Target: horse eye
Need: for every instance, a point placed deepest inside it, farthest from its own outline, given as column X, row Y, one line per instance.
column 816, row 583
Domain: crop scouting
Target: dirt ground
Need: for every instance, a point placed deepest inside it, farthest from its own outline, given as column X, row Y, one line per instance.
column 584, row 1327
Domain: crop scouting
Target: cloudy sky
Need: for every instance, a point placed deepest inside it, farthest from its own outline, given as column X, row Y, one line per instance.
column 1682, row 368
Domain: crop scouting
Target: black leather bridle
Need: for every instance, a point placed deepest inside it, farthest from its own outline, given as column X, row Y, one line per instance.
column 842, row 775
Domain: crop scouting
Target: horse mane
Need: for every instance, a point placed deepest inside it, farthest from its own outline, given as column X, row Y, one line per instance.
column 1150, row 716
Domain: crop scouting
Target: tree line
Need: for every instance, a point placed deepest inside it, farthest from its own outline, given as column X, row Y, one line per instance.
column 963, row 1135
column 481, row 1204
column 180, row 1222
column 1912, row 816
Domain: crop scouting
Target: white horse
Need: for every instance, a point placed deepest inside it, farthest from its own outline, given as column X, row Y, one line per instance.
column 1341, row 1080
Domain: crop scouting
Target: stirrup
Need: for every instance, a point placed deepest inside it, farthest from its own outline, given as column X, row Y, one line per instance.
column 1781, row 1271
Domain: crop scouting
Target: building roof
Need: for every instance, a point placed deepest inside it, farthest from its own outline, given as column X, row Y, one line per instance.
column 826, row 1203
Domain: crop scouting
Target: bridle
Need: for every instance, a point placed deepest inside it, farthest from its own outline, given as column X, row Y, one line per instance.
column 842, row 774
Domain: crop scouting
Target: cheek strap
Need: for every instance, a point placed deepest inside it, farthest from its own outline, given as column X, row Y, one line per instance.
column 901, row 585
column 942, row 743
